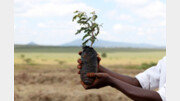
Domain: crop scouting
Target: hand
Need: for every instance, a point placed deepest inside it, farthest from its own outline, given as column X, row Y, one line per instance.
column 102, row 80
column 80, row 66
column 80, row 63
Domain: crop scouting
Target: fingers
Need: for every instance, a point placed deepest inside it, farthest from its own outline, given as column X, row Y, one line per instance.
column 99, row 59
column 80, row 52
column 79, row 61
column 79, row 66
column 90, row 74
column 95, row 81
column 96, row 74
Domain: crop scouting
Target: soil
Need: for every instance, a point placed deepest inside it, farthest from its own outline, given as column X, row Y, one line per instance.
column 53, row 83
column 89, row 64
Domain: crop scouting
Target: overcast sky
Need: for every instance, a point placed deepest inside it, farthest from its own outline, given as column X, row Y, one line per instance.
column 49, row 22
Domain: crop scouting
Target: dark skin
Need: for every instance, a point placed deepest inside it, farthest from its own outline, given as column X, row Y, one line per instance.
column 130, row 86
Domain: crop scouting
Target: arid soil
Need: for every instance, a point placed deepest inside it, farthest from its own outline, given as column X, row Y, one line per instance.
column 53, row 83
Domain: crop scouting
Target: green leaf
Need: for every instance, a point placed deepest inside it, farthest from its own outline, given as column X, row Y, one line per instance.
column 88, row 19
column 84, row 43
column 76, row 11
column 88, row 26
column 85, row 36
column 94, row 17
column 93, row 12
column 83, row 18
column 86, row 30
column 74, row 17
column 97, row 31
column 78, row 31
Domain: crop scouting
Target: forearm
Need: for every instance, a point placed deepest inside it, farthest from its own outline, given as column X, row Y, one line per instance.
column 127, row 79
column 135, row 93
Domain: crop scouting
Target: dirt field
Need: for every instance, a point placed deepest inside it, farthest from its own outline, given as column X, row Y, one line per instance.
column 56, row 83
column 49, row 73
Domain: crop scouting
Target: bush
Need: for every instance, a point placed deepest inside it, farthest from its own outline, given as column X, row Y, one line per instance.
column 22, row 56
column 29, row 61
column 147, row 65
column 104, row 55
column 59, row 61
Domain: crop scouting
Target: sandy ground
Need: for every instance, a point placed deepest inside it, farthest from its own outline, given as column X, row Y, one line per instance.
column 52, row 83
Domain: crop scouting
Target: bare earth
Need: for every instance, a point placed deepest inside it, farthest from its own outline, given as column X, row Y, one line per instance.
column 53, row 83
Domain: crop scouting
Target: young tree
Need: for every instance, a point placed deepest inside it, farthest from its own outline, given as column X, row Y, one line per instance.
column 88, row 25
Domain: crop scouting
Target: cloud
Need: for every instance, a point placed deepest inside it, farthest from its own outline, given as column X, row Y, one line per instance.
column 42, row 21
column 129, row 3
column 116, row 15
column 152, row 10
column 50, row 9
column 123, row 28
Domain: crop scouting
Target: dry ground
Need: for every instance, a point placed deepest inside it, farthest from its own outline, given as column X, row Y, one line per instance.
column 56, row 83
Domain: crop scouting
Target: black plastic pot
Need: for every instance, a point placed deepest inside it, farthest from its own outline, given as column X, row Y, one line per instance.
column 89, row 64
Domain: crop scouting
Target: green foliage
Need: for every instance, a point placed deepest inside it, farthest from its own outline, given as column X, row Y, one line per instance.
column 22, row 56
column 59, row 61
column 104, row 55
column 147, row 65
column 23, row 49
column 29, row 61
column 88, row 26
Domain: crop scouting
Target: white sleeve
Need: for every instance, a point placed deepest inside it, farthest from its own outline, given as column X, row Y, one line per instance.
column 149, row 79
column 162, row 92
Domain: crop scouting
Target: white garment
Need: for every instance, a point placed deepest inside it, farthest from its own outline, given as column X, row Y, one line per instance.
column 154, row 77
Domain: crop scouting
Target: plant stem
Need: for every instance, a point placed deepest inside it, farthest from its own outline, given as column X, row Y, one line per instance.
column 92, row 38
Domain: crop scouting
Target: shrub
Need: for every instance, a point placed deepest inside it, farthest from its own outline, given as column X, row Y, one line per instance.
column 61, row 62
column 29, row 61
column 147, row 65
column 104, row 55
column 22, row 56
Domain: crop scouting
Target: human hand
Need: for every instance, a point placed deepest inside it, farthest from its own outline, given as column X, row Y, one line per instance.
column 99, row 68
column 102, row 80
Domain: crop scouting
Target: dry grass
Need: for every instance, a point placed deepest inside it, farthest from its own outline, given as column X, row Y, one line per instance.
column 52, row 76
column 54, row 83
column 116, row 58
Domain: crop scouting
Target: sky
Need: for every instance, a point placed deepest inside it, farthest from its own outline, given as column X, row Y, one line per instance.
column 49, row 22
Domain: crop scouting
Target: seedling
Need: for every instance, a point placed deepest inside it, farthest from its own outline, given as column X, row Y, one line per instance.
column 89, row 56
column 88, row 25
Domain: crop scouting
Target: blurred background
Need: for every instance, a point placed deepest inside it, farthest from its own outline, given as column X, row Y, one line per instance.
column 132, row 39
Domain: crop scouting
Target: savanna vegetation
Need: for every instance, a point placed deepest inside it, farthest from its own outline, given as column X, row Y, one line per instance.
column 49, row 73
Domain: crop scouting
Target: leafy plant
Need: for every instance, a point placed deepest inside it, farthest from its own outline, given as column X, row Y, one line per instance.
column 88, row 25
